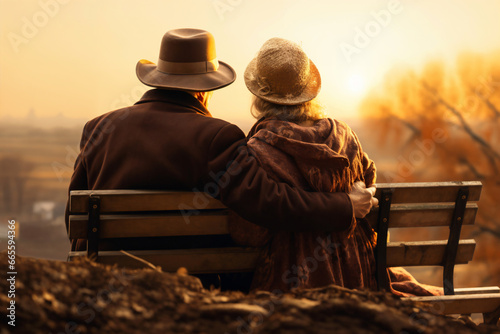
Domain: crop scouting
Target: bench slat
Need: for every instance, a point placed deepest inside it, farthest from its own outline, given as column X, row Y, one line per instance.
column 423, row 215
column 234, row 259
column 426, row 253
column 427, row 192
column 462, row 304
column 123, row 226
column 143, row 200
column 402, row 215
column 129, row 226
column 478, row 290
column 156, row 200
column 197, row 261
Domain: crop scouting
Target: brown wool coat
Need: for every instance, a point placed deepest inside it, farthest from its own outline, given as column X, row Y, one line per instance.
column 169, row 140
column 324, row 157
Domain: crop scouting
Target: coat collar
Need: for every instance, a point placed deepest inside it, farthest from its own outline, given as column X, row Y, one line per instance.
column 175, row 97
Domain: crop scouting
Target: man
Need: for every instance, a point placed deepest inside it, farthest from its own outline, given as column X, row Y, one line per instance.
column 169, row 140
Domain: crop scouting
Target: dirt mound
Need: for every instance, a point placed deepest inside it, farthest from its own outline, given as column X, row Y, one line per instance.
column 84, row 297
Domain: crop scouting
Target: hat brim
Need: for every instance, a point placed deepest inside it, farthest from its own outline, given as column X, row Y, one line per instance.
column 148, row 74
column 310, row 91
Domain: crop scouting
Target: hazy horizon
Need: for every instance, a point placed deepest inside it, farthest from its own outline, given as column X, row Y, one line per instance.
column 78, row 59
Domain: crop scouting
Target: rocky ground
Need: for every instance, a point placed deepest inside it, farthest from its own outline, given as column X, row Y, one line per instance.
column 83, row 297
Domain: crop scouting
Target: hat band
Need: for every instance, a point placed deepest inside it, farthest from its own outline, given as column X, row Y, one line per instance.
column 171, row 67
column 265, row 89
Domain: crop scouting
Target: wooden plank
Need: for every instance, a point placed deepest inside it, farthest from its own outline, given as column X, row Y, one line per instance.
column 158, row 200
column 478, row 290
column 457, row 304
column 402, row 215
column 238, row 258
column 429, row 192
column 423, row 215
column 426, row 253
column 197, row 261
column 143, row 200
column 154, row 225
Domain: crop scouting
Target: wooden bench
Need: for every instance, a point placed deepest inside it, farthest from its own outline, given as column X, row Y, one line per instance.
column 188, row 219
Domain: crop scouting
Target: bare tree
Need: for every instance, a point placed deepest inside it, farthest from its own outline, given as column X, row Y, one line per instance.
column 462, row 104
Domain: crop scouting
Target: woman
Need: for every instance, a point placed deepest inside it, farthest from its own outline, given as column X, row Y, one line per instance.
column 296, row 144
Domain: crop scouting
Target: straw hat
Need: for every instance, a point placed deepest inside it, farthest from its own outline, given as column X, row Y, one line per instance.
column 282, row 74
column 187, row 62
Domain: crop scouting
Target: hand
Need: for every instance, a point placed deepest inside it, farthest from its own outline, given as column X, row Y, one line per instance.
column 362, row 199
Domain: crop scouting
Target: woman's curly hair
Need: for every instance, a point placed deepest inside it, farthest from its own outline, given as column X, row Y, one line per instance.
column 311, row 110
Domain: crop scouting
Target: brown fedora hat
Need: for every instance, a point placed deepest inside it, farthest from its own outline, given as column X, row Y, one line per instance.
column 187, row 62
column 282, row 74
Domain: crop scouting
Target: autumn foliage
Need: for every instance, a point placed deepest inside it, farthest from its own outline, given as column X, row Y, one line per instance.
column 442, row 123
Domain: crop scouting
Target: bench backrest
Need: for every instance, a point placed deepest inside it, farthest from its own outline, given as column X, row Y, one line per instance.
column 104, row 214
column 427, row 204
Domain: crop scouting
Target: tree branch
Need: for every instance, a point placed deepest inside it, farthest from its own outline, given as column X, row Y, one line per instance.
column 407, row 124
column 486, row 229
column 463, row 122
column 490, row 105
column 473, row 169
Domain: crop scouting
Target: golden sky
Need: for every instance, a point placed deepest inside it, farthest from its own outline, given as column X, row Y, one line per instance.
column 78, row 57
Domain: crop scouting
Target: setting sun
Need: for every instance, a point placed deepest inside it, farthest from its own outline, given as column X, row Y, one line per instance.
column 357, row 84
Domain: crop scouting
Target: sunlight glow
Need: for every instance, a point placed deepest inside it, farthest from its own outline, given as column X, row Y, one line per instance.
column 357, row 84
